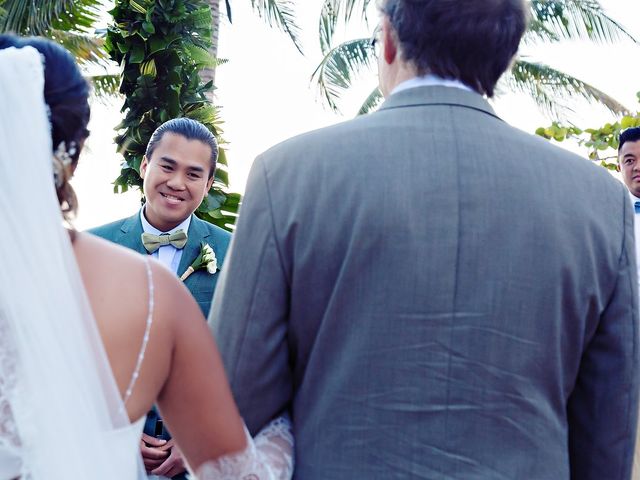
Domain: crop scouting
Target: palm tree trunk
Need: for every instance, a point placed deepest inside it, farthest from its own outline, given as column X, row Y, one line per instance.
column 209, row 73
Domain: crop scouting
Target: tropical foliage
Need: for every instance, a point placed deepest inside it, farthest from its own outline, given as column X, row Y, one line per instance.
column 600, row 142
column 551, row 22
column 69, row 22
column 161, row 45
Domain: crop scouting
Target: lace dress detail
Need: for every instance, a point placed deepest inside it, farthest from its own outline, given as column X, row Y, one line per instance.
column 145, row 339
column 269, row 456
column 9, row 437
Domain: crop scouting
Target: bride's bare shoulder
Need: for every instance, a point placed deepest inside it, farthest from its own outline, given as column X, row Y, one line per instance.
column 125, row 270
column 89, row 245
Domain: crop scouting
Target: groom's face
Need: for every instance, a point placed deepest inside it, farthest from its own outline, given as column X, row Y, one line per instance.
column 176, row 179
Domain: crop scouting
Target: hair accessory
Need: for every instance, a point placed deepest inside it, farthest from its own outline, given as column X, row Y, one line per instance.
column 62, row 159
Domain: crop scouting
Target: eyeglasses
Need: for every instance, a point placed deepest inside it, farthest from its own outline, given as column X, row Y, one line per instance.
column 374, row 42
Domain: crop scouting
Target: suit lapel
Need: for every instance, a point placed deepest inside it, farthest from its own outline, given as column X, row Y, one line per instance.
column 197, row 233
column 130, row 234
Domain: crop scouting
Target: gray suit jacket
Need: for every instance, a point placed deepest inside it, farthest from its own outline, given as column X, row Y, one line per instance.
column 435, row 294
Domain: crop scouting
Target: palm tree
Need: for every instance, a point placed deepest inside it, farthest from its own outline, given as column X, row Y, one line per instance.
column 277, row 13
column 551, row 22
column 69, row 22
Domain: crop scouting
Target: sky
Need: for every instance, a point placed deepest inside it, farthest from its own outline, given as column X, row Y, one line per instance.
column 266, row 96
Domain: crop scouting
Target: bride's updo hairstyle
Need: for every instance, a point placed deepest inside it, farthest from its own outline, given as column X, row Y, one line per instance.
column 66, row 93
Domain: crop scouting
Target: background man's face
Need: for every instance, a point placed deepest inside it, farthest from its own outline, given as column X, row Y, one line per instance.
column 176, row 179
column 629, row 162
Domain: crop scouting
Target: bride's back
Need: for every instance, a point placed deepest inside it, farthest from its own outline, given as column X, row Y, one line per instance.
column 121, row 294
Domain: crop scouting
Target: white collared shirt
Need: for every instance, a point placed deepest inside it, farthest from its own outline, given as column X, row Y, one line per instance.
column 430, row 80
column 168, row 254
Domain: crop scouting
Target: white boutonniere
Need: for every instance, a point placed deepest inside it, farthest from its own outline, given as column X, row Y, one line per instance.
column 206, row 259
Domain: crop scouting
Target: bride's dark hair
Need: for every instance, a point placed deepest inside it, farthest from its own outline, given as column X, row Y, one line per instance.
column 66, row 93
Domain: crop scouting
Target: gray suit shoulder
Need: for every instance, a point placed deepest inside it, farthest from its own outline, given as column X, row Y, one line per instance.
column 319, row 138
column 571, row 165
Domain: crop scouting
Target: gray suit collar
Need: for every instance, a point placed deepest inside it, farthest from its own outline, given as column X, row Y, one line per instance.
column 438, row 95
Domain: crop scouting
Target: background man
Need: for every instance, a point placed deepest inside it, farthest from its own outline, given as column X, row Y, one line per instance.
column 178, row 170
column 629, row 166
column 433, row 293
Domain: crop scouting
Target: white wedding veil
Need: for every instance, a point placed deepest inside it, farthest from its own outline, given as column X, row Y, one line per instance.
column 59, row 404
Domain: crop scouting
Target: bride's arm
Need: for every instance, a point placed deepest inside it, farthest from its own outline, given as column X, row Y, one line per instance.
column 198, row 407
column 195, row 400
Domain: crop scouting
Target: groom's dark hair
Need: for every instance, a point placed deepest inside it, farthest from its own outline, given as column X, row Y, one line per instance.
column 189, row 129
column 473, row 41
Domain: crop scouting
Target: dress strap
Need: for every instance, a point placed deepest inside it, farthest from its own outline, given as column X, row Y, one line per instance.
column 145, row 339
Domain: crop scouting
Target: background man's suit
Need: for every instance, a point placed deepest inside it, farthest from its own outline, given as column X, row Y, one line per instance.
column 128, row 231
column 435, row 294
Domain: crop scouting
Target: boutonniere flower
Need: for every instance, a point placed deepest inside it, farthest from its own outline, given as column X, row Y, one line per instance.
column 206, row 259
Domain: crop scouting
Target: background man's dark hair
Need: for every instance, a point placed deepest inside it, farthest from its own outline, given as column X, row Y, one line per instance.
column 631, row 134
column 191, row 130
column 473, row 41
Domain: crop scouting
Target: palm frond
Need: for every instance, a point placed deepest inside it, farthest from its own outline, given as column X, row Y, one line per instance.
column 280, row 14
column 549, row 87
column 105, row 86
column 36, row 17
column 554, row 20
column 372, row 102
column 339, row 65
column 334, row 11
column 88, row 50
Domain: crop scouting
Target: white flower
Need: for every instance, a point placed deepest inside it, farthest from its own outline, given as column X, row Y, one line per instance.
column 212, row 266
column 206, row 259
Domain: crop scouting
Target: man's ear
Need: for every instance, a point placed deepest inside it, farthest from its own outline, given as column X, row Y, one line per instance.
column 210, row 182
column 389, row 42
column 143, row 166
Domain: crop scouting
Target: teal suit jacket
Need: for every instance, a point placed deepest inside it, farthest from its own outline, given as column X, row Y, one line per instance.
column 128, row 231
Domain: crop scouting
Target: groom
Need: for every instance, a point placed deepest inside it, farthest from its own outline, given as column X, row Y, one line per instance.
column 431, row 292
column 178, row 170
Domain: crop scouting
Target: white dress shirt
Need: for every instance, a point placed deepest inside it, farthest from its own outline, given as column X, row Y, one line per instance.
column 430, row 80
column 168, row 254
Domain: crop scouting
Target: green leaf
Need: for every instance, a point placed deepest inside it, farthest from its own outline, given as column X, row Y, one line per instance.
column 137, row 7
column 148, row 27
column 149, row 68
column 137, row 53
column 627, row 122
column 280, row 14
column 335, row 72
column 200, row 56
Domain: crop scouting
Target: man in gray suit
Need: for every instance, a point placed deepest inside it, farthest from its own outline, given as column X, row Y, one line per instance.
column 431, row 292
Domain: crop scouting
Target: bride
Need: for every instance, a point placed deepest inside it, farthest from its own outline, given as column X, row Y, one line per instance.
column 91, row 334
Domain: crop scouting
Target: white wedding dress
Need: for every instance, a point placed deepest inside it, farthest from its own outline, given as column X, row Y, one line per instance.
column 61, row 414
